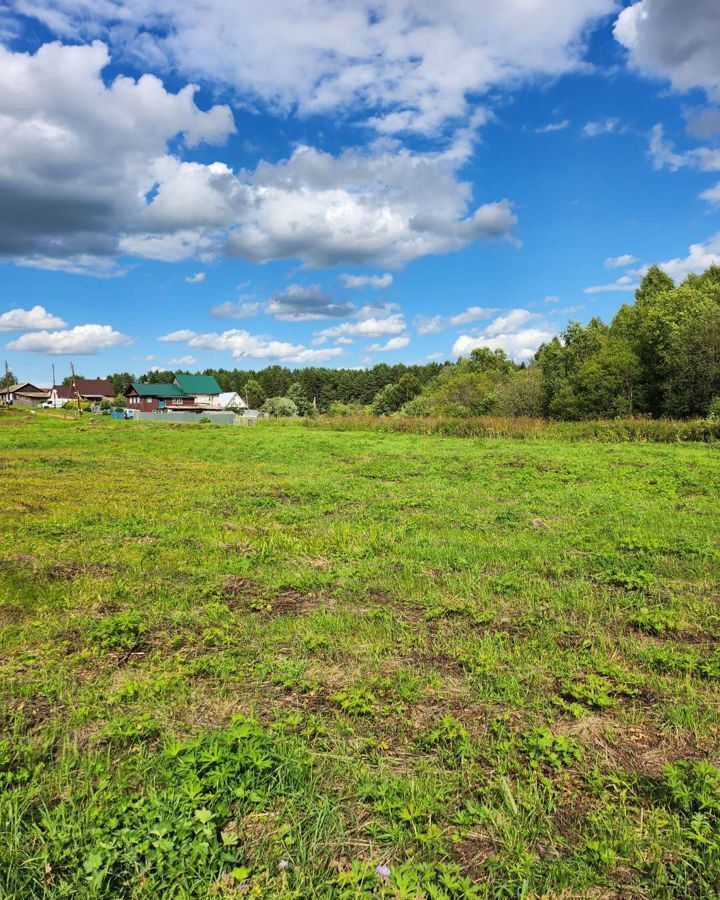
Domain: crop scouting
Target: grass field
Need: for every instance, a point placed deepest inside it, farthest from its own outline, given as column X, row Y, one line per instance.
column 267, row 661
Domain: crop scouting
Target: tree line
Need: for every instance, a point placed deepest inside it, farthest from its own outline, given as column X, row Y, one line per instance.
column 659, row 356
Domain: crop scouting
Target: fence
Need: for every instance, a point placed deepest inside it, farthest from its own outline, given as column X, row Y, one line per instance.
column 217, row 418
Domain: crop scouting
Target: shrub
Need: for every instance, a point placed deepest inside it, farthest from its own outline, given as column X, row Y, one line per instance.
column 279, row 407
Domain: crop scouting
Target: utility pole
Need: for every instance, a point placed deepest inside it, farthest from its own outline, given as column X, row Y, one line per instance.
column 7, row 374
column 72, row 369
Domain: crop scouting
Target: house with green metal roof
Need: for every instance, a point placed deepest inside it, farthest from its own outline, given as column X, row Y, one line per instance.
column 187, row 393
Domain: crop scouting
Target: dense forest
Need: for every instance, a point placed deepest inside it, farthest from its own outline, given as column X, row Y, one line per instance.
column 659, row 356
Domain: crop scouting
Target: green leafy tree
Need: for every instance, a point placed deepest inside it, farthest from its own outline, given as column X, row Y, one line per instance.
column 120, row 380
column 279, row 407
column 254, row 394
column 492, row 362
column 7, row 379
column 522, row 394
column 392, row 397
column 691, row 361
column 297, row 394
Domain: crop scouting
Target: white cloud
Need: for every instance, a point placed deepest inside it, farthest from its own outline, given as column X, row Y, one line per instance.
column 85, row 174
column 384, row 205
column 472, row 314
column 361, row 281
column 674, row 39
column 344, row 341
column 235, row 309
column 624, row 283
column 664, row 156
column 712, row 195
column 551, row 299
column 371, row 322
column 520, row 345
column 74, row 264
column 82, row 340
column 34, row 319
column 298, row 303
column 77, row 154
column 396, row 343
column 512, row 321
column 429, row 324
column 434, row 357
column 197, row 278
column 409, row 63
column 553, row 126
column 183, row 334
column 601, row 126
column 182, row 361
column 518, row 332
column 243, row 345
column 620, row 262
column 700, row 257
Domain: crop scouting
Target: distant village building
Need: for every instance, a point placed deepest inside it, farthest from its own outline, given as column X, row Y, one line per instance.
column 187, row 393
column 23, row 394
column 231, row 400
column 88, row 390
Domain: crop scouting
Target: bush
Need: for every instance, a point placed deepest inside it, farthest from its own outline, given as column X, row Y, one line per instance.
column 713, row 412
column 279, row 407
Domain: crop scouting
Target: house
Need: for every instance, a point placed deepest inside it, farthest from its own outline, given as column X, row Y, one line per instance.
column 89, row 390
column 231, row 400
column 187, row 393
column 23, row 394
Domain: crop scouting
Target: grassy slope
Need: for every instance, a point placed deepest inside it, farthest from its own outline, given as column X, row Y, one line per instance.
column 471, row 660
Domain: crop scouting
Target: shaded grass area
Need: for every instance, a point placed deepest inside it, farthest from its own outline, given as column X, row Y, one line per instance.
column 271, row 660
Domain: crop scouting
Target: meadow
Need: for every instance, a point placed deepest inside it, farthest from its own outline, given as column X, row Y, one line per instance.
column 298, row 662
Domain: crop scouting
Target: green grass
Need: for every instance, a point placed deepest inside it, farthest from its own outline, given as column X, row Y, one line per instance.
column 265, row 661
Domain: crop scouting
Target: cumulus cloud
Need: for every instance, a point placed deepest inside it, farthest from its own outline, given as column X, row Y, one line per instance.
column 699, row 258
column 620, row 262
column 235, row 309
column 472, row 314
column 182, row 361
column 197, row 278
column 388, row 60
column 82, row 340
column 518, row 332
column 429, row 324
column 85, row 174
column 243, row 345
column 361, row 281
column 624, row 283
column 34, row 319
column 601, row 126
column 396, row 343
column 306, row 304
column 77, row 155
column 370, row 322
column 703, row 123
column 664, row 156
column 385, row 205
column 674, row 39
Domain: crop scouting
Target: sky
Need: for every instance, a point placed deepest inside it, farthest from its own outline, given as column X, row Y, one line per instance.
column 194, row 185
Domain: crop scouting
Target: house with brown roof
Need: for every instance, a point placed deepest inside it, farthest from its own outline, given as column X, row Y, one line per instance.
column 23, row 394
column 89, row 390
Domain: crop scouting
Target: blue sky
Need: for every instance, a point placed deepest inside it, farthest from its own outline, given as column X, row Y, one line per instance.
column 344, row 182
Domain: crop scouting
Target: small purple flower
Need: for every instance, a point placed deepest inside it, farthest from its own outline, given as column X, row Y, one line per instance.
column 284, row 864
column 383, row 872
